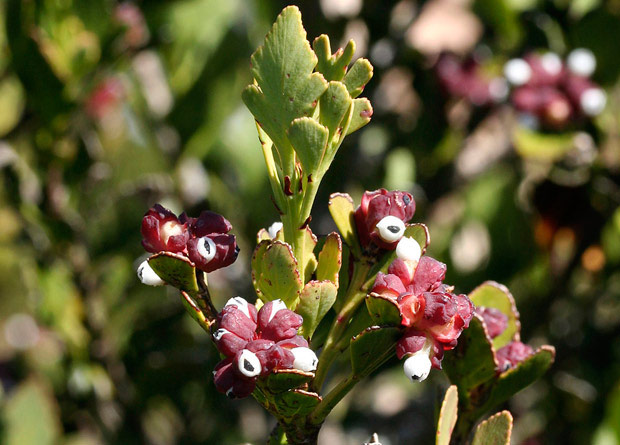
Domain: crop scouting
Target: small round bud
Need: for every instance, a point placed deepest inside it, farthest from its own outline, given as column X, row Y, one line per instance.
column 551, row 63
column 418, row 366
column 581, row 62
column 408, row 249
column 274, row 229
column 206, row 248
column 248, row 364
column 305, row 359
column 593, row 101
column 390, row 229
column 148, row 276
column 240, row 304
column 517, row 72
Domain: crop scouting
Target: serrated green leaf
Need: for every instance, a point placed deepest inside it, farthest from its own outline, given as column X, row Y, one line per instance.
column 447, row 416
column 310, row 262
column 286, row 88
column 495, row 295
column 330, row 259
column 334, row 105
column 342, row 209
column 309, row 139
column 371, row 348
column 316, row 298
column 280, row 380
column 275, row 274
column 333, row 67
column 383, row 311
column 358, row 76
column 362, row 112
column 496, row 430
column 297, row 402
column 176, row 270
column 472, row 362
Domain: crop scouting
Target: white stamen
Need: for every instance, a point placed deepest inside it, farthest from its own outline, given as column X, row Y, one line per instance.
column 274, row 229
column 148, row 276
column 277, row 306
column 170, row 228
column 248, row 364
column 217, row 335
column 418, row 366
column 593, row 101
column 551, row 63
column 305, row 359
column 206, row 248
column 240, row 304
column 391, row 229
column 517, row 72
column 408, row 249
column 581, row 62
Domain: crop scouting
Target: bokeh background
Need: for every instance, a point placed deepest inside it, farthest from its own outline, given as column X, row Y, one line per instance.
column 109, row 107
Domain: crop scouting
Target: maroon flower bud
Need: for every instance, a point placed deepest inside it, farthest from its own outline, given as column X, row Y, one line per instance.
column 276, row 322
column 235, row 330
column 210, row 247
column 511, row 354
column 162, row 231
column 228, row 382
column 495, row 320
column 381, row 217
column 547, row 69
column 445, row 316
column 402, row 270
column 417, row 342
column 428, row 275
column 389, row 285
column 209, row 223
column 527, row 99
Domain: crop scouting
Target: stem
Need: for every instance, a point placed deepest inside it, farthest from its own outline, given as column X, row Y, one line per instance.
column 355, row 295
column 332, row 398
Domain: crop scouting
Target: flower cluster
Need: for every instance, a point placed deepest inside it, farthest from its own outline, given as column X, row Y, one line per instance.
column 467, row 79
column 380, row 219
column 496, row 323
column 433, row 316
column 204, row 240
column 551, row 92
column 257, row 342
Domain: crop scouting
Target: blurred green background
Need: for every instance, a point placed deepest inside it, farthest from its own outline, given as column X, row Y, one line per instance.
column 108, row 107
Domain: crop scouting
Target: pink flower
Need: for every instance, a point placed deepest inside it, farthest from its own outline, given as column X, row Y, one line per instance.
column 381, row 217
column 512, row 354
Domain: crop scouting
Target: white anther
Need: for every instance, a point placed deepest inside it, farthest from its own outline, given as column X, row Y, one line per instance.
column 274, row 229
column 240, row 304
column 148, row 276
column 217, row 335
column 206, row 248
column 517, row 71
column 305, row 359
column 408, row 249
column 418, row 366
column 277, row 306
column 593, row 101
column 391, row 229
column 248, row 364
column 551, row 63
column 581, row 62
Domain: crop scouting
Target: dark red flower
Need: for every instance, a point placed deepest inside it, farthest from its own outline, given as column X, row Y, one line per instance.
column 381, row 217
column 511, row 354
column 495, row 320
column 162, row 231
column 211, row 247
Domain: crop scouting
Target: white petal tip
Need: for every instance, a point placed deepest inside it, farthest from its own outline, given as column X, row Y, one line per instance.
column 277, row 306
column 390, row 229
column 206, row 248
column 418, row 366
column 274, row 229
column 305, row 359
column 581, row 62
column 148, row 276
column 517, row 72
column 408, row 249
column 249, row 364
column 593, row 101
column 240, row 304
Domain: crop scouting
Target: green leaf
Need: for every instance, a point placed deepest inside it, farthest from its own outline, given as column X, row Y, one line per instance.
column 330, row 259
column 275, row 274
column 334, row 106
column 309, row 139
column 372, row 347
column 280, row 380
column 358, row 76
column 285, row 88
column 333, row 67
column 495, row 295
column 540, row 146
column 447, row 416
column 297, row 402
column 30, row 416
column 310, row 241
column 472, row 362
column 176, row 270
column 316, row 298
column 342, row 209
column 420, row 233
column 362, row 112
column 383, row 310
column 496, row 430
